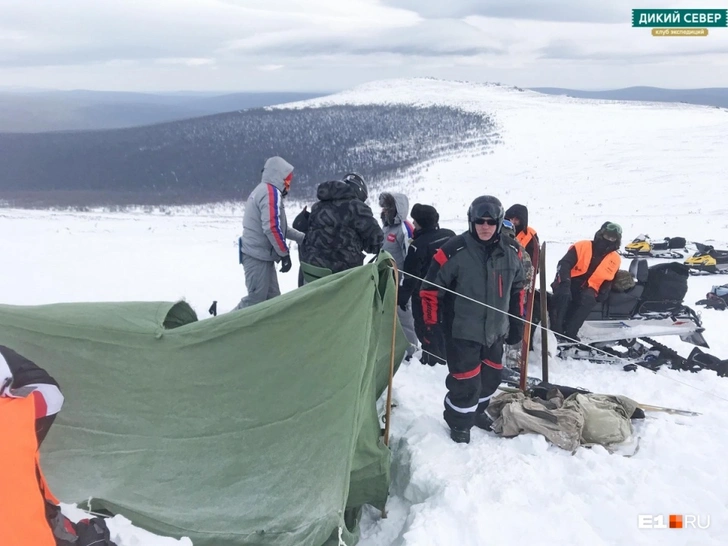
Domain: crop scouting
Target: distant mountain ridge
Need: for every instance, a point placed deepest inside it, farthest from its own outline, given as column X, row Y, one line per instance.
column 42, row 111
column 218, row 158
column 713, row 96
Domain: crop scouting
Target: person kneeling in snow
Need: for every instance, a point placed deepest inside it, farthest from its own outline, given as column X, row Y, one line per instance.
column 29, row 402
column 584, row 276
column 30, row 399
column 485, row 270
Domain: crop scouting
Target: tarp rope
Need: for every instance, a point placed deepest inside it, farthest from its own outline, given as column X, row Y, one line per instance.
column 544, row 328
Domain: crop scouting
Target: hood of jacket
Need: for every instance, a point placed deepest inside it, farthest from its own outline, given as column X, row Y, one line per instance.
column 275, row 171
column 520, row 212
column 401, row 204
column 333, row 190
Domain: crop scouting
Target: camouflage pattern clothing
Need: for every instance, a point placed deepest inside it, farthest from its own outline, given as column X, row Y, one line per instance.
column 340, row 229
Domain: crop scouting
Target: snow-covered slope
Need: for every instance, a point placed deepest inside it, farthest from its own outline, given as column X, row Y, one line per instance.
column 655, row 168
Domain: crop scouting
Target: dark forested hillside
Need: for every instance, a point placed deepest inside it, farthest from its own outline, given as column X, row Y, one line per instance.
column 220, row 157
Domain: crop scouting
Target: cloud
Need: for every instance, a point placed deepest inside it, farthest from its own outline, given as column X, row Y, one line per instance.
column 330, row 44
column 445, row 37
column 614, row 11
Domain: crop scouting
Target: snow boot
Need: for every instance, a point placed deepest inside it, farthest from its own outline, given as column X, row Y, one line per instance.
column 483, row 421
column 460, row 435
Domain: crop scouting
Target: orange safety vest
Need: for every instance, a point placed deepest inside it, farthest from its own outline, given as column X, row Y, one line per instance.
column 605, row 271
column 525, row 236
column 22, row 505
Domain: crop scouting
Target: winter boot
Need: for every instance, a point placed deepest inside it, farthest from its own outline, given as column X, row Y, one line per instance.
column 460, row 435
column 483, row 421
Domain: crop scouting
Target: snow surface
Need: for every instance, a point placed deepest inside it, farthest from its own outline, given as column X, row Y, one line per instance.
column 655, row 168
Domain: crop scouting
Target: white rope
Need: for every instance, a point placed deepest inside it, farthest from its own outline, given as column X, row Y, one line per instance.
column 544, row 328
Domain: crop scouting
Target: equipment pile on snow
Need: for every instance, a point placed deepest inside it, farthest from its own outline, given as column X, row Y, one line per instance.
column 567, row 417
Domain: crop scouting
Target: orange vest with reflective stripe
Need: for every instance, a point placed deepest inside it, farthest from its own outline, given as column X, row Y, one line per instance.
column 525, row 236
column 22, row 507
column 605, row 271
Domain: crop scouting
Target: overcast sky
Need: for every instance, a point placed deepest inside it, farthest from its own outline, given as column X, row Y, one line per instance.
column 325, row 45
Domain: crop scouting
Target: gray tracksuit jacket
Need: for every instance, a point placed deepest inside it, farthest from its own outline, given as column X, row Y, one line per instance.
column 265, row 228
column 398, row 232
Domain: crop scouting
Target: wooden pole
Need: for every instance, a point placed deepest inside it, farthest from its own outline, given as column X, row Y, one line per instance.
column 526, row 343
column 544, row 317
column 388, row 409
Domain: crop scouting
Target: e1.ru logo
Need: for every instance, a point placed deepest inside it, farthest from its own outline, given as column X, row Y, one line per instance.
column 675, row 521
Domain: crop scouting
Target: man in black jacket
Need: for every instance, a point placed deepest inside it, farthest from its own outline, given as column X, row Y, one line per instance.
column 484, row 278
column 428, row 237
column 341, row 226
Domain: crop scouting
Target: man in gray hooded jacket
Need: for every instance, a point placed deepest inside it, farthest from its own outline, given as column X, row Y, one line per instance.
column 265, row 231
column 398, row 233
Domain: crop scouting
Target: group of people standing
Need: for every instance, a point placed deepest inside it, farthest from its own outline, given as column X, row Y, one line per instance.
column 461, row 296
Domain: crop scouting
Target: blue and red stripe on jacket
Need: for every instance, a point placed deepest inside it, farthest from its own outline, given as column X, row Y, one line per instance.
column 274, row 215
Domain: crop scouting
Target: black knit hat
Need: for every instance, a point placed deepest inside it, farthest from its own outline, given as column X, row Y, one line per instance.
column 426, row 216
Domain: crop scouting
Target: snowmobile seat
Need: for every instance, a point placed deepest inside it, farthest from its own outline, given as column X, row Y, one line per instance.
column 640, row 270
column 624, row 304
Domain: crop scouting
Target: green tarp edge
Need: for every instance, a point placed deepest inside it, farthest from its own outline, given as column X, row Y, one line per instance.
column 143, row 379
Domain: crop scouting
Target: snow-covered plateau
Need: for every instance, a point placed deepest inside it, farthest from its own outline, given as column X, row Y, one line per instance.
column 654, row 168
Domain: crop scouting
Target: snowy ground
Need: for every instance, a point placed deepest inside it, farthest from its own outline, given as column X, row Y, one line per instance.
column 655, row 168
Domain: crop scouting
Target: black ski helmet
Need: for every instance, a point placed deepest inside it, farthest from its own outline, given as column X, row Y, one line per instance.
column 485, row 206
column 358, row 185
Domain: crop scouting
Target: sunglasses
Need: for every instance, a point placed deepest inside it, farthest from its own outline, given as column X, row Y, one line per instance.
column 489, row 221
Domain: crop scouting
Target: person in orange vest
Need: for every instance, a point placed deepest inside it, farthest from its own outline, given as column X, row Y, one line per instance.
column 29, row 402
column 525, row 234
column 584, row 276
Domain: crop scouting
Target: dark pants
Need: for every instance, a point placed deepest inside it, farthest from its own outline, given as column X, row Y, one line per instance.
column 418, row 317
column 475, row 374
column 570, row 310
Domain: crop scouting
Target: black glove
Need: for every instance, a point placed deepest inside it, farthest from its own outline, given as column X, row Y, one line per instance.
column 286, row 264
column 515, row 332
column 402, row 302
column 433, row 345
column 589, row 295
column 563, row 288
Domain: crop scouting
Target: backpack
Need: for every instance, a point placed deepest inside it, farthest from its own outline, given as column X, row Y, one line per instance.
column 717, row 298
column 87, row 532
column 666, row 283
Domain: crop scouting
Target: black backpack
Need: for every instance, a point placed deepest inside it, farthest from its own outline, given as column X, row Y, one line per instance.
column 666, row 283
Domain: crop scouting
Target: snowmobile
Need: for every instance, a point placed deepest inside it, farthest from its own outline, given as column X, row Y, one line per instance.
column 707, row 260
column 621, row 328
column 644, row 247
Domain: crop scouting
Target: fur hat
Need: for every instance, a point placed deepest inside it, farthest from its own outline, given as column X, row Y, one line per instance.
column 623, row 281
column 426, row 216
column 520, row 212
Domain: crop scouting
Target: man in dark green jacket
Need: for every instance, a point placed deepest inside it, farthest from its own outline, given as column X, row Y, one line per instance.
column 486, row 272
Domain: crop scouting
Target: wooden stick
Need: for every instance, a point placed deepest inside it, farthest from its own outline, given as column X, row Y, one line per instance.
column 544, row 317
column 388, row 410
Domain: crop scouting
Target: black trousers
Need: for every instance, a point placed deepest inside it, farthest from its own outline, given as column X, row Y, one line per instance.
column 418, row 316
column 475, row 374
column 570, row 311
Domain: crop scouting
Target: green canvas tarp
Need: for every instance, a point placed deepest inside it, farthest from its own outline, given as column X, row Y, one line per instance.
column 257, row 426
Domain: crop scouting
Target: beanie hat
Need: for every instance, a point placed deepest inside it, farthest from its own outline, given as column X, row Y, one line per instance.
column 426, row 216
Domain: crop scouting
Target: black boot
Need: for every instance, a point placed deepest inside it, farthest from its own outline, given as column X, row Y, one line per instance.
column 483, row 421
column 460, row 435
